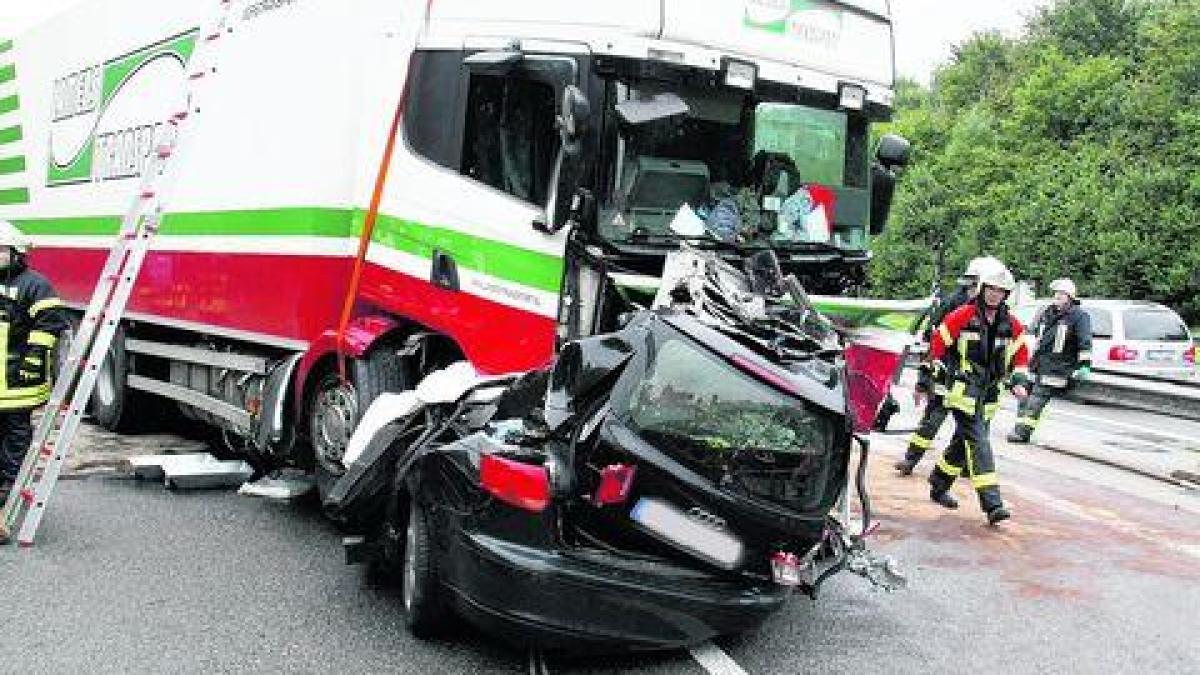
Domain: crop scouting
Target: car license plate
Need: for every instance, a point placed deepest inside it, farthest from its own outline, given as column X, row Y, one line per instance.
column 693, row 534
column 1161, row 355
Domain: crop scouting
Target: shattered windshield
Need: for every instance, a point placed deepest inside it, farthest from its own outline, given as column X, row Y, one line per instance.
column 704, row 406
column 723, row 164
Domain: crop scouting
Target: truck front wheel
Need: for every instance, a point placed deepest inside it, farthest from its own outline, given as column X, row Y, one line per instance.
column 337, row 406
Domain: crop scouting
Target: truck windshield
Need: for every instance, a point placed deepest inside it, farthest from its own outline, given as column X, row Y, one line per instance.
column 723, row 164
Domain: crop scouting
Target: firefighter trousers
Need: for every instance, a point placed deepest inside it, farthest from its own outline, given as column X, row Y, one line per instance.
column 1029, row 412
column 931, row 421
column 16, row 432
column 970, row 451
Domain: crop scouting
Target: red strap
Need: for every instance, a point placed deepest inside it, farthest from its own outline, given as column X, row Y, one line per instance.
column 364, row 238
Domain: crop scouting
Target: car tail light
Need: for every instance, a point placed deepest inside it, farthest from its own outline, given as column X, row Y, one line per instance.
column 616, row 481
column 1122, row 353
column 785, row 568
column 1190, row 356
column 525, row 486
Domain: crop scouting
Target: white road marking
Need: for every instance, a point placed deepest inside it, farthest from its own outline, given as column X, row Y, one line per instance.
column 1125, row 425
column 714, row 660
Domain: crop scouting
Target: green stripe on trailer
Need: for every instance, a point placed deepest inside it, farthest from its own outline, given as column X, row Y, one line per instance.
column 8, row 73
column 14, row 196
column 10, row 135
column 295, row 222
column 5, row 45
column 9, row 104
column 537, row 270
column 12, row 165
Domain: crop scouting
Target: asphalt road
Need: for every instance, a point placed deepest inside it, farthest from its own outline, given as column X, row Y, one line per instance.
column 1099, row 571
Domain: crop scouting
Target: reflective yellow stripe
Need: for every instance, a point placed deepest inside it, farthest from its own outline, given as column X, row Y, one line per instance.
column 1011, row 350
column 957, row 398
column 984, row 480
column 34, row 360
column 25, row 397
column 989, row 410
column 947, row 468
column 43, row 305
column 945, row 333
column 42, row 339
column 919, row 441
column 970, row 464
column 1028, row 421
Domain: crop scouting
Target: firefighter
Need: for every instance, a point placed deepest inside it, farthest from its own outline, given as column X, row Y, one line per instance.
column 982, row 347
column 1063, row 335
column 931, row 381
column 31, row 319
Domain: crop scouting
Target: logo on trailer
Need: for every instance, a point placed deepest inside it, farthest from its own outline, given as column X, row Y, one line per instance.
column 810, row 22
column 106, row 117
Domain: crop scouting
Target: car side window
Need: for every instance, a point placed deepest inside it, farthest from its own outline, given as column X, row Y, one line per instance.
column 1102, row 323
column 510, row 138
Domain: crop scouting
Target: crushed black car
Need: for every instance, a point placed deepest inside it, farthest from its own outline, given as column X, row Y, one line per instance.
column 665, row 483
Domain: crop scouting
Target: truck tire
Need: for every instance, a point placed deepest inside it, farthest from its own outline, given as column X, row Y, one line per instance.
column 337, row 406
column 112, row 403
column 424, row 606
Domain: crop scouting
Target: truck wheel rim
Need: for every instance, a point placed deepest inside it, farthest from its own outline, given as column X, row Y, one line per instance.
column 334, row 418
column 410, row 561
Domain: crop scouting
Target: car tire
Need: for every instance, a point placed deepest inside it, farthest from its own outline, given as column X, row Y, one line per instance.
column 424, row 606
column 337, row 406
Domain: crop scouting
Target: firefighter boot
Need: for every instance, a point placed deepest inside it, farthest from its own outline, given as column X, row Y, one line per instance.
column 906, row 465
column 1019, row 434
column 943, row 498
column 998, row 514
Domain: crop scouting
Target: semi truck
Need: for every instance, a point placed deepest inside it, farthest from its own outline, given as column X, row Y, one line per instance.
column 376, row 188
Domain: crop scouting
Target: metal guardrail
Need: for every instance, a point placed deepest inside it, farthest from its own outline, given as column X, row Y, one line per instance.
column 1177, row 398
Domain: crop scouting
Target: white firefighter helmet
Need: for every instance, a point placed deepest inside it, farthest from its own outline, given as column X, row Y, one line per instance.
column 997, row 277
column 979, row 266
column 10, row 235
column 1066, row 286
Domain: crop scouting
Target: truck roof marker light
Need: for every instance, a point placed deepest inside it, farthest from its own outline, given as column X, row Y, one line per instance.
column 525, row 486
column 740, row 74
column 852, row 96
column 616, row 482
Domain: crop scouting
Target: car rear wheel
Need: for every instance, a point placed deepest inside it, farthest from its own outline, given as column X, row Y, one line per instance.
column 424, row 609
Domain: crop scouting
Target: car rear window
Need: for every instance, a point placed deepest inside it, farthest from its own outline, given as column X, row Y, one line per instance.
column 1155, row 325
column 1101, row 322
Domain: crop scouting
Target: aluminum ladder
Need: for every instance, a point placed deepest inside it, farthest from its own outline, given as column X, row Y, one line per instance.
column 73, row 386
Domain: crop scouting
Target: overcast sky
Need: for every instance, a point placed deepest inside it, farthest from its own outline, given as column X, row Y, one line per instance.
column 926, row 30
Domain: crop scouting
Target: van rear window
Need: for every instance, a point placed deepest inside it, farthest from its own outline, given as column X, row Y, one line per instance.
column 1154, row 325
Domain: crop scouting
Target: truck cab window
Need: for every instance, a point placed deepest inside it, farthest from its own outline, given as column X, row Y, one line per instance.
column 510, row 139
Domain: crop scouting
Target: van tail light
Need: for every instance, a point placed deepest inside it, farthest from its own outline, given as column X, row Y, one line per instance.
column 1122, row 353
column 525, row 486
column 1190, row 355
column 616, row 482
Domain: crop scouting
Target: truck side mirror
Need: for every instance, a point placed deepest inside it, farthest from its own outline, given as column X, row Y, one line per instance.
column 575, row 115
column 566, row 200
column 893, row 151
column 891, row 156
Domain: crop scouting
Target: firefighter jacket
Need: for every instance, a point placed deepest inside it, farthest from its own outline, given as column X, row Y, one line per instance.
column 31, row 319
column 1063, row 344
column 978, row 357
column 926, row 380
